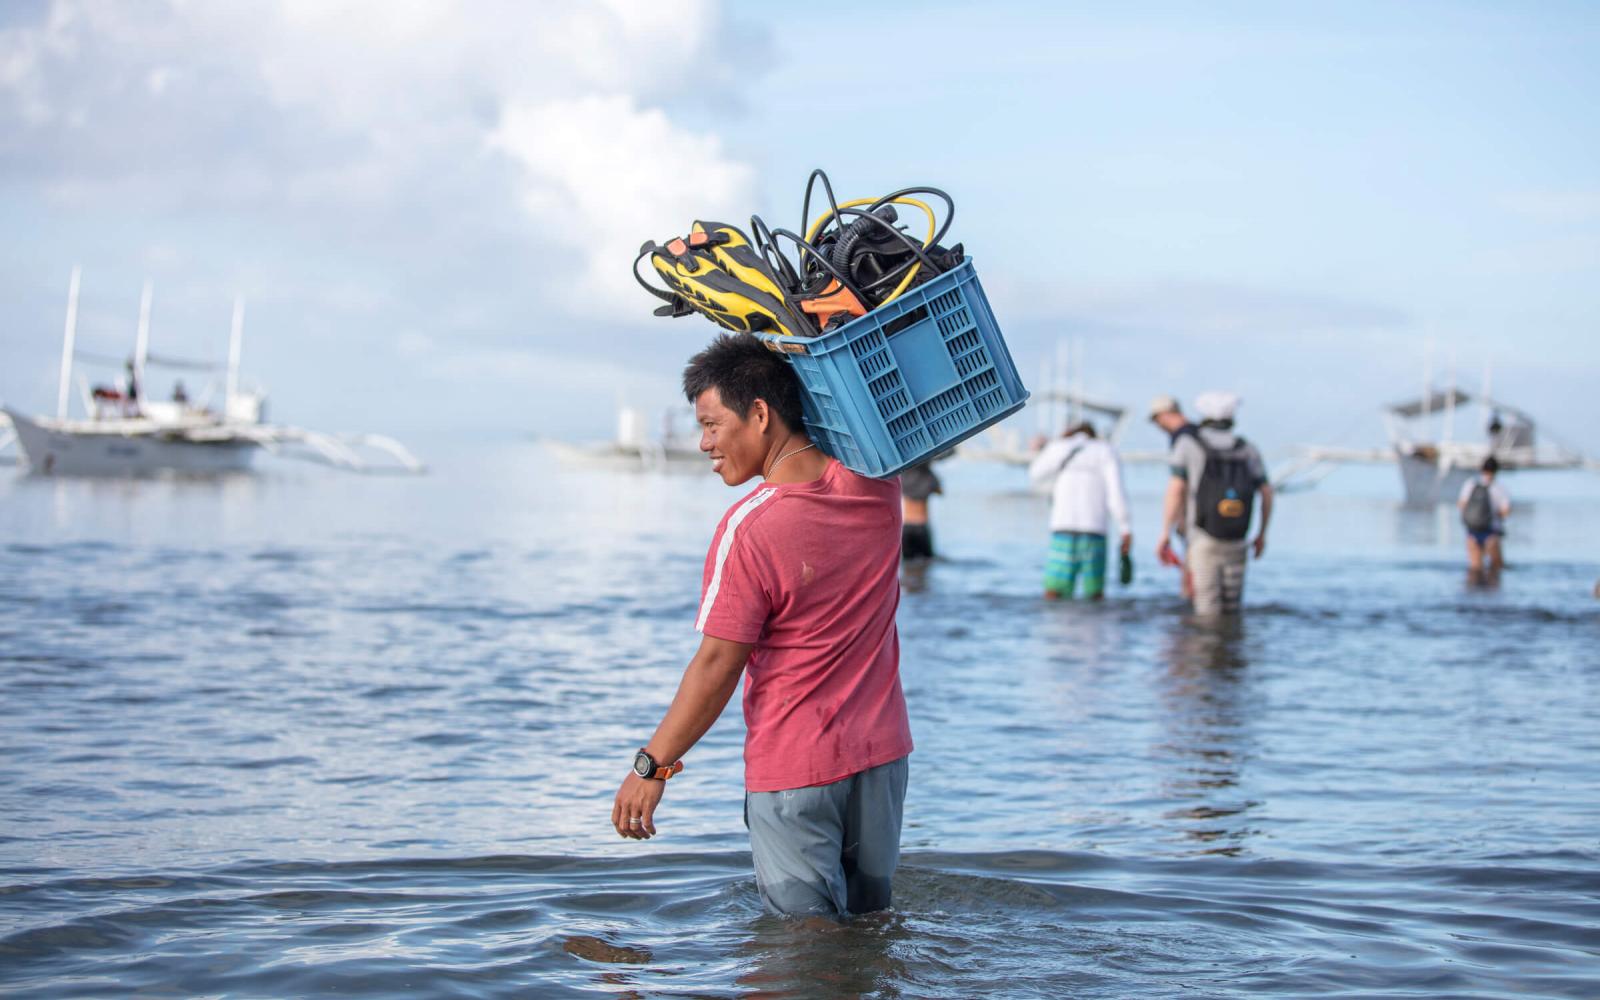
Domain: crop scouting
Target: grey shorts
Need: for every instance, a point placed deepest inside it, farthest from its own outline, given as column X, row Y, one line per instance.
column 828, row 849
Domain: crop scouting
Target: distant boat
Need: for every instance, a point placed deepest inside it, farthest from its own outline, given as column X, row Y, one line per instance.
column 1433, row 465
column 1061, row 404
column 124, row 445
column 8, row 438
column 1057, row 411
column 674, row 448
column 126, row 433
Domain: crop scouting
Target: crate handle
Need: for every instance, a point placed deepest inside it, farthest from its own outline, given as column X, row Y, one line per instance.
column 905, row 321
column 781, row 346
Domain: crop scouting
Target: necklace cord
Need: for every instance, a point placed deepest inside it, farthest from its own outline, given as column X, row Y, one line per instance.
column 768, row 474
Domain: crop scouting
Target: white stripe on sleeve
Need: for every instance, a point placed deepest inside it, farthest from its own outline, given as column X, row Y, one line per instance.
column 723, row 548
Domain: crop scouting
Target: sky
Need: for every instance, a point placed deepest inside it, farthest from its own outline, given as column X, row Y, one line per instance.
column 430, row 209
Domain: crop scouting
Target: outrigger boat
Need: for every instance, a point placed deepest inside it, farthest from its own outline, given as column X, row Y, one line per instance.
column 672, row 450
column 1433, row 465
column 126, row 433
column 1055, row 408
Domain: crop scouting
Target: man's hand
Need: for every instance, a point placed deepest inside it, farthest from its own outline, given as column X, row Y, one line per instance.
column 1127, row 544
column 707, row 684
column 1260, row 544
column 636, row 801
column 1165, row 555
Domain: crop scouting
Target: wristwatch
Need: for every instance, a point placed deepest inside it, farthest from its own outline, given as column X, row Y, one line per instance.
column 645, row 766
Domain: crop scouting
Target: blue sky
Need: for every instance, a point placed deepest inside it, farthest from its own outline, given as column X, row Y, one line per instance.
column 429, row 209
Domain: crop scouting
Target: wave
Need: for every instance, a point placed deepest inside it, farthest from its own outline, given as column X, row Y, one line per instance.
column 1011, row 923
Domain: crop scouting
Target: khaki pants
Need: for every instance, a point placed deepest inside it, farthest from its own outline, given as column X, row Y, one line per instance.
column 1216, row 568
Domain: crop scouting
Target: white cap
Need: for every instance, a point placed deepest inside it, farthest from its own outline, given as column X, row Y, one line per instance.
column 1163, row 404
column 1216, row 405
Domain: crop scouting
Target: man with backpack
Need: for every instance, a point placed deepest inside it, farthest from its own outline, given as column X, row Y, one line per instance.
column 1484, row 505
column 1216, row 477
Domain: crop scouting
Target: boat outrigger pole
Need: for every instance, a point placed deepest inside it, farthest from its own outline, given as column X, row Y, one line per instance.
column 66, row 347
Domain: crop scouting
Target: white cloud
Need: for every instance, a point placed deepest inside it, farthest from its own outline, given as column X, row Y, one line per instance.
column 602, row 174
column 508, row 136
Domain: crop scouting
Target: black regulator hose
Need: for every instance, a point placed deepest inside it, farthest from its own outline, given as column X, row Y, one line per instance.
column 852, row 234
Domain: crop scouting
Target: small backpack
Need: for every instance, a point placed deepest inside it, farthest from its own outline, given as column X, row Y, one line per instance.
column 1478, row 515
column 1226, row 494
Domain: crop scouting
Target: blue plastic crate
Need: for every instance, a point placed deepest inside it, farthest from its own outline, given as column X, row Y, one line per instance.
column 907, row 380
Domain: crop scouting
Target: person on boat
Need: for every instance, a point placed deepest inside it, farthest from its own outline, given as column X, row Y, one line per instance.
column 798, row 594
column 130, row 399
column 180, row 395
column 1087, row 495
column 1216, row 477
column 1484, row 507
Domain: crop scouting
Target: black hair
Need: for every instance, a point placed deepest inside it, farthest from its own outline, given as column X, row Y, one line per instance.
column 1491, row 464
column 743, row 370
column 1083, row 427
column 1221, row 425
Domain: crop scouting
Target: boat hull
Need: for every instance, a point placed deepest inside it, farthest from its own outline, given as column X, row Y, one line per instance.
column 1427, row 484
column 50, row 451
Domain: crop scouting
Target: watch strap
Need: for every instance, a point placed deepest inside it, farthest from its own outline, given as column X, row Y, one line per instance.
column 658, row 772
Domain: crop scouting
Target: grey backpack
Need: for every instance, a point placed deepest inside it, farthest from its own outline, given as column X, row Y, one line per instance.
column 1478, row 514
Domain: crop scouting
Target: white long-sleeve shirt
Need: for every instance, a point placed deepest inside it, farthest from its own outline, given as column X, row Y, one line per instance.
column 1088, row 495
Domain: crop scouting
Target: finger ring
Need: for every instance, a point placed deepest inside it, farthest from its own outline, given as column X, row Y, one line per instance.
column 634, row 821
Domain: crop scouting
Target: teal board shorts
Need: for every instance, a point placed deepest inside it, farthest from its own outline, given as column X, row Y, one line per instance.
column 828, row 850
column 1076, row 557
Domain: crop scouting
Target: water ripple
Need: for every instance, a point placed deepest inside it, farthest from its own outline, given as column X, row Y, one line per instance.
column 375, row 755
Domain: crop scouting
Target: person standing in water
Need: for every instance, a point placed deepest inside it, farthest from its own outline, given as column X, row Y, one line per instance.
column 1168, row 416
column 799, row 595
column 1087, row 495
column 1484, row 506
column 917, row 485
column 1216, row 477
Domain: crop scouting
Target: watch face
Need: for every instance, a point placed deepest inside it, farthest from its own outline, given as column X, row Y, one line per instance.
column 642, row 764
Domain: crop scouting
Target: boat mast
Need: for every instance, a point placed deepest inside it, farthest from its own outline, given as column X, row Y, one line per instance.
column 141, row 344
column 1064, row 383
column 1077, row 380
column 235, row 343
column 1488, row 404
column 66, row 345
column 1427, row 383
column 1047, row 404
column 1450, row 402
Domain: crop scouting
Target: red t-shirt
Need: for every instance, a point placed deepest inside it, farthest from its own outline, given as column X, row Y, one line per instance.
column 808, row 573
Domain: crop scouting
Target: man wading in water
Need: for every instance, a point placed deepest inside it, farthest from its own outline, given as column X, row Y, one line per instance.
column 1484, row 508
column 800, row 587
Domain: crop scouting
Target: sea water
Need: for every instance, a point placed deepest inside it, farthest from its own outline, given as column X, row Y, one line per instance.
column 304, row 733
